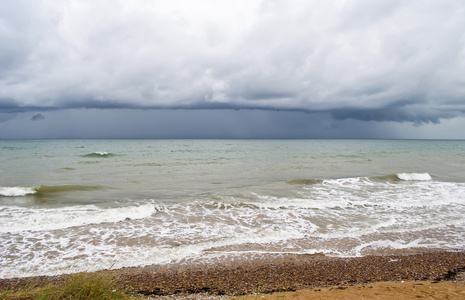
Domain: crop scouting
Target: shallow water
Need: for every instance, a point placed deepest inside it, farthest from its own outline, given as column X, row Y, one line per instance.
column 84, row 205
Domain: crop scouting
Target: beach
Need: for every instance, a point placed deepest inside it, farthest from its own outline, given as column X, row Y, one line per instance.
column 229, row 218
column 316, row 274
column 232, row 149
column 378, row 290
column 293, row 274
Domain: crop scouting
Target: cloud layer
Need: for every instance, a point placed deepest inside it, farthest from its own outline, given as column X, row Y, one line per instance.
column 387, row 60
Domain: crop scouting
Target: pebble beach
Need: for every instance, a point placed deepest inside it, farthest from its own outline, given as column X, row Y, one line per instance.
column 292, row 274
column 277, row 275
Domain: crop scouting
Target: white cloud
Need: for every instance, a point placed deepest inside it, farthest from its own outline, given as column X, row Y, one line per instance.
column 380, row 60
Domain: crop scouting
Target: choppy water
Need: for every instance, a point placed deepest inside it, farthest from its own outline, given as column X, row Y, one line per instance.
column 83, row 205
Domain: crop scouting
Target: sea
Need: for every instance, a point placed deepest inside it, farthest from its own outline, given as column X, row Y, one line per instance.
column 69, row 206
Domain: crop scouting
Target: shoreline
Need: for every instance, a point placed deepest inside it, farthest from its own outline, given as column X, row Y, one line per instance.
column 272, row 275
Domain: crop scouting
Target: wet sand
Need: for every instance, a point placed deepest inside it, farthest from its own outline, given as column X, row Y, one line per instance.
column 314, row 274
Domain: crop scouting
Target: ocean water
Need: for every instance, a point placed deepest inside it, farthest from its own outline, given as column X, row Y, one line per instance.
column 84, row 205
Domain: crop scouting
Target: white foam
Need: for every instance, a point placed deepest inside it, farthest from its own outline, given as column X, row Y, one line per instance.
column 272, row 202
column 393, row 245
column 350, row 181
column 17, row 191
column 414, row 176
column 347, row 217
column 14, row 219
column 81, row 253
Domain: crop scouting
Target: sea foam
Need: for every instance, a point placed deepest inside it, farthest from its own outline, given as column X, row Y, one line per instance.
column 414, row 176
column 42, row 219
column 20, row 191
column 17, row 191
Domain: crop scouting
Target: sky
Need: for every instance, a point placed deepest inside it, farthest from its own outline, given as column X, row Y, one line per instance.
column 232, row 69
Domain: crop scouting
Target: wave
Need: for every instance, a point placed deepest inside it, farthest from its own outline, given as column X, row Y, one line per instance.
column 384, row 178
column 21, row 191
column 35, row 219
column 403, row 177
column 12, row 148
column 286, row 203
column 99, row 154
column 305, row 181
column 46, row 189
column 414, row 176
column 17, row 191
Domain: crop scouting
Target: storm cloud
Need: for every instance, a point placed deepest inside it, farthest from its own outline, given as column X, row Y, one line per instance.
column 384, row 61
column 37, row 117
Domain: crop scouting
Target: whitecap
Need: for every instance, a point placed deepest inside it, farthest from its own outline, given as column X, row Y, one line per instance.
column 414, row 176
column 17, row 191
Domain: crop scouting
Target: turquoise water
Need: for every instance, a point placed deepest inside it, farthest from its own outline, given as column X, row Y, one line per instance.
column 83, row 205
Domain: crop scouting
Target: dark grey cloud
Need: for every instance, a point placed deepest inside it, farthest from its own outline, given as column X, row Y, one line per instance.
column 7, row 105
column 38, row 117
column 183, row 123
column 384, row 61
column 213, row 123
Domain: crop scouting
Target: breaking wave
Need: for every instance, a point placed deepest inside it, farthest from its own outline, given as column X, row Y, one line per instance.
column 21, row 191
column 384, row 178
column 17, row 191
column 99, row 154
column 414, row 176
column 42, row 219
